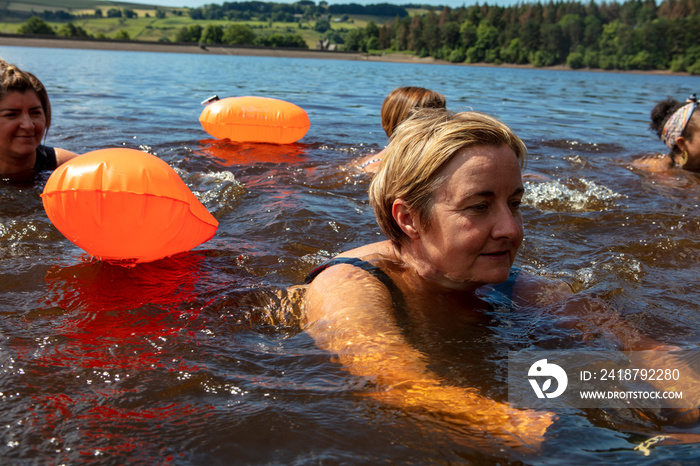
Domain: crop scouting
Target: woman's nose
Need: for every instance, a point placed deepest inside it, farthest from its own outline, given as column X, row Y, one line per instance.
column 27, row 121
column 508, row 224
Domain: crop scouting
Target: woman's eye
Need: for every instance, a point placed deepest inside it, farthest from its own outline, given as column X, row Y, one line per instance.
column 479, row 207
column 515, row 205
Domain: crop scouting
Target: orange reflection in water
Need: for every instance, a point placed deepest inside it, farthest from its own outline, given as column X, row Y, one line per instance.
column 109, row 375
column 106, row 308
column 247, row 153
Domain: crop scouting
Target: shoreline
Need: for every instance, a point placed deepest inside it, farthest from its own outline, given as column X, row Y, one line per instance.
column 218, row 49
column 208, row 49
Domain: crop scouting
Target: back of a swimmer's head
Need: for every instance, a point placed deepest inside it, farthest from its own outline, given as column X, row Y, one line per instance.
column 12, row 79
column 416, row 154
column 401, row 101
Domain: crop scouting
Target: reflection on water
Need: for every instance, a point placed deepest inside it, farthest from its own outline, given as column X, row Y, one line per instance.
column 230, row 153
column 200, row 358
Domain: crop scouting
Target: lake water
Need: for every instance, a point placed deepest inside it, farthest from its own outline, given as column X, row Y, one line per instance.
column 193, row 360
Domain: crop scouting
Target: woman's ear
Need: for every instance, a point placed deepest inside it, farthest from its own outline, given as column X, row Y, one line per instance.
column 405, row 219
column 683, row 145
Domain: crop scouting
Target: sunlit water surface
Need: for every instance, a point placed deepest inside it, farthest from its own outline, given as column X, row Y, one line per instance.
column 194, row 360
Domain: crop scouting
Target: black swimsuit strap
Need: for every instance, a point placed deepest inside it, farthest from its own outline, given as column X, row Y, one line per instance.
column 376, row 272
column 373, row 270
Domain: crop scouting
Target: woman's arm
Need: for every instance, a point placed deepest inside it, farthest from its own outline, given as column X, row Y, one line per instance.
column 370, row 163
column 595, row 318
column 653, row 163
column 349, row 314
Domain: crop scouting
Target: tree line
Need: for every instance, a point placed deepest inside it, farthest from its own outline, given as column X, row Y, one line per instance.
column 634, row 35
column 290, row 12
column 237, row 34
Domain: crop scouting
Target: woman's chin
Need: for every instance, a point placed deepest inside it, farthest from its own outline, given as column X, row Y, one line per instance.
column 497, row 275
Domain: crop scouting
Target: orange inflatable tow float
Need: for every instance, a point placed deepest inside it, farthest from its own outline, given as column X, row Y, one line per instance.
column 125, row 205
column 254, row 119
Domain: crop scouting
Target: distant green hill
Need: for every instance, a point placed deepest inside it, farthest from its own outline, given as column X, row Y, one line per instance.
column 69, row 5
column 301, row 24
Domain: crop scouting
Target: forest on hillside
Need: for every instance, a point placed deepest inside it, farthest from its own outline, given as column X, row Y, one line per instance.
column 632, row 35
column 635, row 34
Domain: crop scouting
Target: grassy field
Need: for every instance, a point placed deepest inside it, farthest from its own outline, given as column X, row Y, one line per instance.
column 147, row 27
column 72, row 6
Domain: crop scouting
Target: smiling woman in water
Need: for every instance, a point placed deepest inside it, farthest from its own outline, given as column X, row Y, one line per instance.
column 25, row 118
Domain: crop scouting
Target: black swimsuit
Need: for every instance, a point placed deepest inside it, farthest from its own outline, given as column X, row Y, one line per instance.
column 503, row 295
column 45, row 159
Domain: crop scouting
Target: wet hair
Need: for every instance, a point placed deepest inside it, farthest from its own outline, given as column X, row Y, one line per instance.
column 660, row 114
column 419, row 149
column 397, row 106
column 12, row 79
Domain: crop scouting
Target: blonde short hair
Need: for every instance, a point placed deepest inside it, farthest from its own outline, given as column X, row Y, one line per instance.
column 419, row 149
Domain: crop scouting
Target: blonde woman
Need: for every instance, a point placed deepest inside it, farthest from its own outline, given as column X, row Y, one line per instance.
column 447, row 197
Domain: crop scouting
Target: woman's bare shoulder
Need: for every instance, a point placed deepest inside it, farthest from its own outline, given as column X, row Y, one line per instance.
column 344, row 277
column 63, row 156
column 379, row 250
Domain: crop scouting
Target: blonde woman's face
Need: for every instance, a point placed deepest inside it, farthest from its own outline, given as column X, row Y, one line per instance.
column 476, row 227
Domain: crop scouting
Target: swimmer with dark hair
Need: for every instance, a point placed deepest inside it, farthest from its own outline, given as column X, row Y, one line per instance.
column 677, row 124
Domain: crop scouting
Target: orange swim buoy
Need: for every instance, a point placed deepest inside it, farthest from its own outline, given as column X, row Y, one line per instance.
column 255, row 119
column 125, row 205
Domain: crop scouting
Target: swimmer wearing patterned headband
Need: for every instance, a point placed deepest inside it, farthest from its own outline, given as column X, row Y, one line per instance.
column 677, row 124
